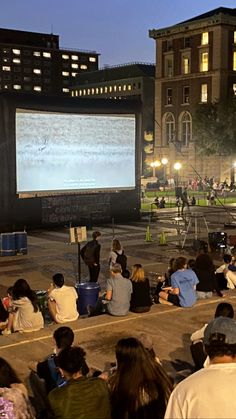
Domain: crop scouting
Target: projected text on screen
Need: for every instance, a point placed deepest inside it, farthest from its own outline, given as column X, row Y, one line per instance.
column 67, row 152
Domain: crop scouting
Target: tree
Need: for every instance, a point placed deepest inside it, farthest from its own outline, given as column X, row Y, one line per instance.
column 214, row 127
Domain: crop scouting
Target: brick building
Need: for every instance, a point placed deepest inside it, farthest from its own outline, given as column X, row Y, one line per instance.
column 195, row 64
column 33, row 62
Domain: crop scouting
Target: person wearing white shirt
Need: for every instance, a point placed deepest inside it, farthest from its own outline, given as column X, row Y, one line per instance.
column 62, row 301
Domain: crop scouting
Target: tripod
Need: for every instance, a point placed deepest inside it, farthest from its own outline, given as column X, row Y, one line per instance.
column 195, row 218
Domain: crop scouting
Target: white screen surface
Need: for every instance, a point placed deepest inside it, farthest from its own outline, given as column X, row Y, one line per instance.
column 69, row 152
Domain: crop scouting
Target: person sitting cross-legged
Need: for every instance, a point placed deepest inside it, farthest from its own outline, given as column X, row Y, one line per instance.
column 62, row 301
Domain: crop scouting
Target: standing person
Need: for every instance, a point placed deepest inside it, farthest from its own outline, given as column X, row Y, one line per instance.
column 90, row 254
column 184, row 199
column 140, row 388
column 62, row 300
column 206, row 393
column 183, row 285
column 25, row 315
column 140, row 298
column 13, row 395
column 80, row 397
column 205, row 271
column 117, row 255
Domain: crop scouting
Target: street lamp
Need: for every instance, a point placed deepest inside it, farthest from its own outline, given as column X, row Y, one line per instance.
column 177, row 167
column 155, row 164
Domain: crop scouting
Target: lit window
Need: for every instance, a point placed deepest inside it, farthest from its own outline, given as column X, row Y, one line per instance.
column 72, row 93
column 65, row 57
column 74, row 74
column 105, row 89
column 80, row 92
column 92, row 90
column 234, row 61
column 37, row 88
column 186, row 65
column 37, row 54
column 234, row 89
column 119, row 88
column 47, row 54
column 124, row 87
column 65, row 90
column 205, row 38
column 6, row 68
column 6, row 60
column 204, row 93
column 83, row 66
column 110, row 88
column 76, row 93
column 74, row 57
column 185, row 94
column 74, row 65
column 65, row 73
column 97, row 90
column 16, row 86
column 101, row 89
column 115, row 88
column 234, row 37
column 6, row 86
column 92, row 59
column 129, row 87
column 88, row 92
column 16, row 51
column 16, row 60
column 169, row 96
column 36, row 71
column 204, row 61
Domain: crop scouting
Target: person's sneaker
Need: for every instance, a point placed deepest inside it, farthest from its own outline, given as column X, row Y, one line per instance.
column 6, row 332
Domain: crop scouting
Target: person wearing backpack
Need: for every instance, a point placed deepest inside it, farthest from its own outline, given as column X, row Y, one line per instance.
column 117, row 255
column 90, row 254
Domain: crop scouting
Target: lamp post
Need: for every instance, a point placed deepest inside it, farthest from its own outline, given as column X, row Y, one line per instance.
column 155, row 164
column 177, row 167
column 164, row 161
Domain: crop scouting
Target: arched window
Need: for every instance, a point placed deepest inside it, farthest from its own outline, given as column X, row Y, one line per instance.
column 185, row 128
column 169, row 128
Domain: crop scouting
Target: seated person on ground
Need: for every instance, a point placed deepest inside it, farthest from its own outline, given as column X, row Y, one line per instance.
column 62, row 301
column 197, row 348
column 14, row 399
column 80, row 397
column 48, row 369
column 182, row 291
column 205, row 271
column 140, row 298
column 221, row 272
column 117, row 297
column 25, row 315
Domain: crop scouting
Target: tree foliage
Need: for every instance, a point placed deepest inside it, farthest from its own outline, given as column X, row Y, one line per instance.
column 214, row 128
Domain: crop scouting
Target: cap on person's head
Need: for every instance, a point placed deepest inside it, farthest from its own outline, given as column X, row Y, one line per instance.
column 222, row 330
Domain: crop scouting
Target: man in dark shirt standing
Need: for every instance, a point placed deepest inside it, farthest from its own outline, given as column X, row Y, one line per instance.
column 90, row 254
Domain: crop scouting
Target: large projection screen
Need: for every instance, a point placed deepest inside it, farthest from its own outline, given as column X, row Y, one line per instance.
column 59, row 152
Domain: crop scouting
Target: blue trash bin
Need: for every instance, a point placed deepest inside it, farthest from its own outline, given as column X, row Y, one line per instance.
column 7, row 244
column 21, row 242
column 88, row 293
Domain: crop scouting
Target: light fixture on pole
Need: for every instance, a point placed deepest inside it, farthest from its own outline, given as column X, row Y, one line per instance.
column 155, row 164
column 177, row 167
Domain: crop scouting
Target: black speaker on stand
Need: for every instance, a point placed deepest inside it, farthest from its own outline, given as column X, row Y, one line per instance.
column 217, row 240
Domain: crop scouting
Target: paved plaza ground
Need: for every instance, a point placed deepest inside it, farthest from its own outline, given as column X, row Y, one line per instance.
column 169, row 327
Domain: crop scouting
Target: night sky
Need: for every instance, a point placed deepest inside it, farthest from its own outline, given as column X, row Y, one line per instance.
column 117, row 29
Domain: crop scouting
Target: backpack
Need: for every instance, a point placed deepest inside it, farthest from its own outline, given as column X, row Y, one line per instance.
column 122, row 260
column 87, row 253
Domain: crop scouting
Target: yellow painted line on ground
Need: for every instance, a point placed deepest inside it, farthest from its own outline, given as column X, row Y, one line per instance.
column 115, row 321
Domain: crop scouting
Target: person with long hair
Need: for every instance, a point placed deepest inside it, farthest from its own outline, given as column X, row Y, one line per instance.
column 25, row 315
column 205, row 271
column 140, row 388
column 140, row 298
column 13, row 394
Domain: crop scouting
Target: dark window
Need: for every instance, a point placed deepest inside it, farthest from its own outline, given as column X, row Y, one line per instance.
column 27, row 70
column 169, row 45
column 185, row 94
column 27, row 52
column 169, row 96
column 187, row 42
column 17, row 69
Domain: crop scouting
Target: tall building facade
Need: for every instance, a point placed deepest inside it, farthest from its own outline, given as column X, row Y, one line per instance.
column 195, row 64
column 33, row 62
column 134, row 81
